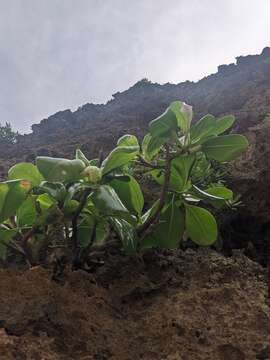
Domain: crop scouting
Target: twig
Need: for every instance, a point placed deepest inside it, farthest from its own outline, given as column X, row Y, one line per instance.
column 82, row 256
column 13, row 246
column 24, row 241
column 147, row 164
column 86, row 193
column 154, row 218
column 76, row 217
column 12, row 221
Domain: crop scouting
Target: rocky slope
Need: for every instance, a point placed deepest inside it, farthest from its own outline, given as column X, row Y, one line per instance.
column 171, row 306
column 242, row 89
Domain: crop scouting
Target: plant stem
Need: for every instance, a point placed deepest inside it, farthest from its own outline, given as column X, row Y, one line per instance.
column 147, row 164
column 76, row 247
column 12, row 245
column 154, row 218
column 23, row 248
column 76, row 218
column 86, row 251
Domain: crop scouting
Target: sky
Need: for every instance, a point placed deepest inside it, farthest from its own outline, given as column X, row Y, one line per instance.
column 61, row 54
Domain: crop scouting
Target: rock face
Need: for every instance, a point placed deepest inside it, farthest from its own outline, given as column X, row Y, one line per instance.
column 172, row 306
column 251, row 173
column 242, row 89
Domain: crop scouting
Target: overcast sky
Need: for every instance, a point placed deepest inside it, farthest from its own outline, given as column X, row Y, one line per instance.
column 59, row 54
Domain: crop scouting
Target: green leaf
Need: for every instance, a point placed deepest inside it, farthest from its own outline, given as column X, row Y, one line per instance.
column 154, row 145
column 201, row 225
column 126, row 233
column 201, row 168
column 80, row 156
column 70, row 208
column 55, row 189
column 222, row 192
column 207, row 195
column 150, row 212
column 73, row 190
column 120, row 156
column 151, row 146
column 224, row 123
column 164, row 124
column 145, row 143
column 225, row 148
column 86, row 228
column 204, row 128
column 27, row 214
column 183, row 113
column 45, row 202
column 128, row 140
column 25, row 171
column 5, row 236
column 129, row 193
column 12, row 195
column 180, row 171
column 60, row 170
column 169, row 232
column 108, row 203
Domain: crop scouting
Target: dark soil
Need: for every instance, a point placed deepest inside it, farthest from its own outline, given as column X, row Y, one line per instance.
column 172, row 306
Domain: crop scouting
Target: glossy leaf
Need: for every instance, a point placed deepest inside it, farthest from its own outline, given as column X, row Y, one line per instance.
column 128, row 140
column 183, row 167
column 201, row 225
column 154, row 145
column 183, row 113
column 164, row 124
column 225, row 148
column 151, row 146
column 168, row 233
column 86, row 228
column 222, row 192
column 25, row 171
column 180, row 171
column 120, row 156
column 12, row 195
column 207, row 194
column 203, row 128
column 106, row 200
column 55, row 189
column 129, row 193
column 60, row 170
column 126, row 233
column 80, row 156
column 5, row 236
column 150, row 211
column 70, row 208
column 45, row 201
column 27, row 214
column 224, row 123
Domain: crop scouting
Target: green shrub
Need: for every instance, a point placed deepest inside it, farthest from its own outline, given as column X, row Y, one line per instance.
column 75, row 204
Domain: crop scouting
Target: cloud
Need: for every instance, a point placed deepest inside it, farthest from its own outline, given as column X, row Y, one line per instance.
column 57, row 54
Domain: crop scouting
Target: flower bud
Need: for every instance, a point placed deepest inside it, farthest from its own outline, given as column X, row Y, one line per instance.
column 93, row 173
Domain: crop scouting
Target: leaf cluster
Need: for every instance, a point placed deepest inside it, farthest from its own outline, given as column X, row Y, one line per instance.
column 77, row 204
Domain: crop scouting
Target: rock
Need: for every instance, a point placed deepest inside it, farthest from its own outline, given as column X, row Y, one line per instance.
column 229, row 351
column 264, row 354
column 251, row 172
